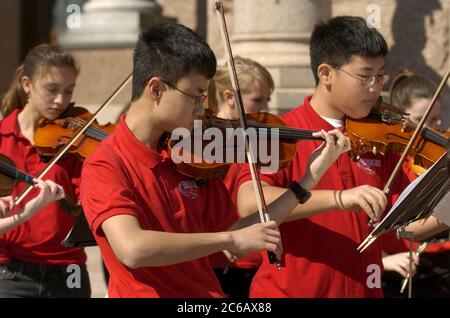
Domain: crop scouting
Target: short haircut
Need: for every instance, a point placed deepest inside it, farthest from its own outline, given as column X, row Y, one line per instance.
column 338, row 40
column 170, row 51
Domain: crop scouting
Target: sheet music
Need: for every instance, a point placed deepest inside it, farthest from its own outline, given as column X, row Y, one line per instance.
column 416, row 202
column 442, row 210
column 423, row 191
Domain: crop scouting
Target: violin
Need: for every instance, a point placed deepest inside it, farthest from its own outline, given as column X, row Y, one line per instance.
column 388, row 129
column 9, row 175
column 60, row 148
column 50, row 136
column 263, row 124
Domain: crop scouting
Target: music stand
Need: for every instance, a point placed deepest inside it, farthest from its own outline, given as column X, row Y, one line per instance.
column 80, row 235
column 416, row 202
column 442, row 210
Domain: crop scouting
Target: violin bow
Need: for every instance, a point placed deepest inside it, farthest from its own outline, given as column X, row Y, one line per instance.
column 66, row 147
column 260, row 200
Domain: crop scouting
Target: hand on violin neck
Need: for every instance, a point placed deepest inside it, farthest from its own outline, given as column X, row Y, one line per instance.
column 371, row 200
column 322, row 158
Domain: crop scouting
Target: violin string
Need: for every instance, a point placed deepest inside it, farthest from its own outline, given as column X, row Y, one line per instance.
column 91, row 131
column 429, row 134
column 288, row 133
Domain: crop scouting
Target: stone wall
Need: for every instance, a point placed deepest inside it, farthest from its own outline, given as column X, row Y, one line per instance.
column 10, row 29
column 417, row 33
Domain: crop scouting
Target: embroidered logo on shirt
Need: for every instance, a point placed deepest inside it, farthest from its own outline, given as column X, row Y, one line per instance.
column 188, row 188
column 369, row 165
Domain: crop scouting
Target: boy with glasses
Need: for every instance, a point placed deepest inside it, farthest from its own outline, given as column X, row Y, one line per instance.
column 320, row 257
column 154, row 225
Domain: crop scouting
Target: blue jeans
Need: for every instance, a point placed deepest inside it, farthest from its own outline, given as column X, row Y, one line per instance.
column 19, row 279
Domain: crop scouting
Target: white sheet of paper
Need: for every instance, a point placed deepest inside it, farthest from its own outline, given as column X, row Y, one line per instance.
column 442, row 209
column 408, row 189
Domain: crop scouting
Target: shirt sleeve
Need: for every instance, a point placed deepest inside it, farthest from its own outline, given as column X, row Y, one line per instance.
column 105, row 192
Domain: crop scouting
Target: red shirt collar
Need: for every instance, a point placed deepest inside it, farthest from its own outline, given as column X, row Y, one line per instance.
column 318, row 121
column 9, row 124
column 133, row 147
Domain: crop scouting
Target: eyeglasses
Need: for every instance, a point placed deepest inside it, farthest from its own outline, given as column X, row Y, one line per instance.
column 199, row 100
column 368, row 81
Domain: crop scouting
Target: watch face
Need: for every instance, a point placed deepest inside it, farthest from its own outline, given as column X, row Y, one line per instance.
column 301, row 194
column 306, row 196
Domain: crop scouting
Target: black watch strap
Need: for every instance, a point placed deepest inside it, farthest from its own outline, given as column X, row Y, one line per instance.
column 301, row 194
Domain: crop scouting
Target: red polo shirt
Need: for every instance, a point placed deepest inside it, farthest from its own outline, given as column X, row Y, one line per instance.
column 219, row 260
column 123, row 176
column 39, row 239
column 320, row 257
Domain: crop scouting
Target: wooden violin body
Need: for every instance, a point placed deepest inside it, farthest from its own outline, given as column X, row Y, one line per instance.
column 50, row 136
column 388, row 130
column 262, row 123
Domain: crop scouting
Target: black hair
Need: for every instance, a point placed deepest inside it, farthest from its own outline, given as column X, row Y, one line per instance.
column 336, row 41
column 170, row 51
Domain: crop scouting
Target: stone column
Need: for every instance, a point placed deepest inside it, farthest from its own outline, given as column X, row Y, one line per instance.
column 110, row 23
column 103, row 43
column 276, row 34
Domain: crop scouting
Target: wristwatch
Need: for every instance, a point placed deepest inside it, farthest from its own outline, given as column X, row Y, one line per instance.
column 301, row 194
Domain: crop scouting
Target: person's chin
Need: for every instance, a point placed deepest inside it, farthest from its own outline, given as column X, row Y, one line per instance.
column 52, row 115
column 359, row 115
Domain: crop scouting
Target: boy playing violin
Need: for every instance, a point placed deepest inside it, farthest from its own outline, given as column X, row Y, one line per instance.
column 154, row 225
column 321, row 259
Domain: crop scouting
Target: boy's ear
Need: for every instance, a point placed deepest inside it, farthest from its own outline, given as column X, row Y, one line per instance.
column 324, row 72
column 154, row 88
